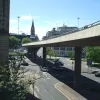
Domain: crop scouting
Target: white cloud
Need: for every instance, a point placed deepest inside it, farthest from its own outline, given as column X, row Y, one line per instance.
column 41, row 31
column 13, row 21
column 29, row 17
column 26, row 17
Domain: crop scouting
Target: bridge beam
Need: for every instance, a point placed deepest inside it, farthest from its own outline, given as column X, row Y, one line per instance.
column 78, row 51
column 44, row 56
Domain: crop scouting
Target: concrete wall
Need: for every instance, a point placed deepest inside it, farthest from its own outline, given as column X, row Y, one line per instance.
column 4, row 29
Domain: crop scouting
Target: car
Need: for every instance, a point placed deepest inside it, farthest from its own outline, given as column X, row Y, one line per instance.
column 44, row 69
column 97, row 74
column 58, row 63
column 58, row 68
column 12, row 58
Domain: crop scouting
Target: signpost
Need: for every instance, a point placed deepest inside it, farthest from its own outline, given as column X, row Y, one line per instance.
column 89, row 63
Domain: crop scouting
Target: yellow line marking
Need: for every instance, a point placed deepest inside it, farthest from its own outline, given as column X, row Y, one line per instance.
column 62, row 92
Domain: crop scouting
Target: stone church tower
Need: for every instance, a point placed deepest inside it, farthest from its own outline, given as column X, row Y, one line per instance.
column 32, row 29
column 33, row 36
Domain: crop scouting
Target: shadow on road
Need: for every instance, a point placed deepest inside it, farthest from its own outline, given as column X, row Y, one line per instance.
column 89, row 88
column 31, row 97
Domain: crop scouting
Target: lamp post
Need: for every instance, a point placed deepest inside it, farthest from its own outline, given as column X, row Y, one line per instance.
column 78, row 21
column 18, row 28
column 18, row 24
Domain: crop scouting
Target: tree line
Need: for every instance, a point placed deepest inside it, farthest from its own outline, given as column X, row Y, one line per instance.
column 92, row 53
column 15, row 42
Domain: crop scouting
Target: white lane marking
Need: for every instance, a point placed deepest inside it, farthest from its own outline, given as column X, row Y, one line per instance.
column 36, row 88
column 49, row 94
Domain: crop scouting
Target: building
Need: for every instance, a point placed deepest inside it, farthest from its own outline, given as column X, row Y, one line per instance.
column 61, row 51
column 20, row 36
column 23, row 35
column 33, row 36
column 4, row 29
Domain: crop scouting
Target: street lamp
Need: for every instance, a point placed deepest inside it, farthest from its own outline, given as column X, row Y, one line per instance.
column 18, row 24
column 78, row 21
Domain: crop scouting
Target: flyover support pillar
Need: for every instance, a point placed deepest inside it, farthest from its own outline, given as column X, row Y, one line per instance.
column 78, row 51
column 32, row 54
column 44, row 56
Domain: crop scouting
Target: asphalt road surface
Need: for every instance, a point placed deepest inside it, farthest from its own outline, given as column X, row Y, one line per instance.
column 45, row 86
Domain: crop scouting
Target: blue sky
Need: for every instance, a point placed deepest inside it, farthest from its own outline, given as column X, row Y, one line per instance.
column 52, row 13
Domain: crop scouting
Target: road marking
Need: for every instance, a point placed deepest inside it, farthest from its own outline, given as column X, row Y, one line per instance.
column 62, row 92
column 36, row 88
column 49, row 94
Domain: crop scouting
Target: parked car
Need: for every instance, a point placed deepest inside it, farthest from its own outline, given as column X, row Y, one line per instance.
column 58, row 63
column 44, row 69
column 97, row 74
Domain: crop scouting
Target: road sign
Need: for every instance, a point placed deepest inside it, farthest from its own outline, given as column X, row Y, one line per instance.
column 89, row 62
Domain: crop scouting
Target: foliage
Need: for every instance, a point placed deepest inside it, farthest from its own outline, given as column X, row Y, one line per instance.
column 26, row 40
column 9, row 87
column 50, row 52
column 15, row 53
column 56, row 54
column 93, row 53
column 70, row 54
column 14, row 42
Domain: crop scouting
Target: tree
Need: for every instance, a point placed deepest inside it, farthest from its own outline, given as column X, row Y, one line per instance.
column 14, row 42
column 49, row 52
column 26, row 40
column 56, row 54
column 93, row 53
column 70, row 54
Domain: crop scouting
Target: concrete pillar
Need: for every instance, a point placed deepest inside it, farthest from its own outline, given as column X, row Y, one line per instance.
column 44, row 56
column 78, row 51
column 4, row 30
column 29, row 53
column 34, row 54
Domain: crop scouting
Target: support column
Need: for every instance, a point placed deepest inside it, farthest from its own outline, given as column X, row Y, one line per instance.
column 34, row 54
column 29, row 53
column 44, row 56
column 78, row 51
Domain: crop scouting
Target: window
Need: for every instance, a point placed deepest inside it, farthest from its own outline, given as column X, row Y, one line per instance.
column 62, row 48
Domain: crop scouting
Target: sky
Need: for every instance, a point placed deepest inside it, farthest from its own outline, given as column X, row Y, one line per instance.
column 51, row 13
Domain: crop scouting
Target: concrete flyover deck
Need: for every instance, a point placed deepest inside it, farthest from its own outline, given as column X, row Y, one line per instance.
column 88, row 36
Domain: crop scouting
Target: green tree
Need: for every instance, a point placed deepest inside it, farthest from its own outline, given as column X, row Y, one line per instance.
column 56, row 54
column 70, row 54
column 14, row 42
column 93, row 53
column 26, row 40
column 50, row 52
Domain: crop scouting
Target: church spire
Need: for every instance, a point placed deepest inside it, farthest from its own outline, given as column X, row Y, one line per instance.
column 32, row 29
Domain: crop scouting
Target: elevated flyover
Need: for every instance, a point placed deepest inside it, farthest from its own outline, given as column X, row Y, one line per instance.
column 88, row 35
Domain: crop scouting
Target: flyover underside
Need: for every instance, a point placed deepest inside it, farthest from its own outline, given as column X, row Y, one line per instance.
column 92, row 41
